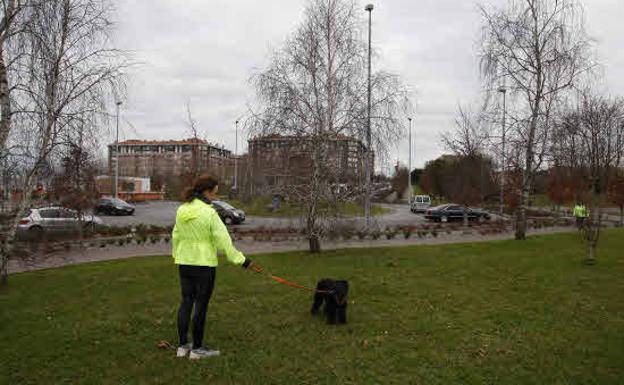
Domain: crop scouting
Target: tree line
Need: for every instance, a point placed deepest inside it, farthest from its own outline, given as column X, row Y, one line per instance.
column 537, row 57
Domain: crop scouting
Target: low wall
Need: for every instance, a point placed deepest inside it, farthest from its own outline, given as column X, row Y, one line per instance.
column 141, row 196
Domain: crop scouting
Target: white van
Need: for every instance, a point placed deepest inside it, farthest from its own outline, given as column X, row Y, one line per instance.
column 420, row 203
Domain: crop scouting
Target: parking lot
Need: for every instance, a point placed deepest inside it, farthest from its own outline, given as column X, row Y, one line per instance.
column 162, row 213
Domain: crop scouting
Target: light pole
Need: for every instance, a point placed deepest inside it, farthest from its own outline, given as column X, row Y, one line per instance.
column 409, row 167
column 117, row 152
column 367, row 200
column 236, row 159
column 503, row 90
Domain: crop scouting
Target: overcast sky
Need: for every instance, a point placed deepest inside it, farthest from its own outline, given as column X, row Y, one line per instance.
column 203, row 51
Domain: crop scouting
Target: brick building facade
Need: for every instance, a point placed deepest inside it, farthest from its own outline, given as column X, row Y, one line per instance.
column 277, row 160
column 164, row 160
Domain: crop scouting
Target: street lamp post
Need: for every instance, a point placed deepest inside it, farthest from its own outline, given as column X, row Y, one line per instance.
column 503, row 90
column 117, row 152
column 236, row 159
column 367, row 200
column 409, row 167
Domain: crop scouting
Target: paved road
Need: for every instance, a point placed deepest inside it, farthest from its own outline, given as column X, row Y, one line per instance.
column 163, row 214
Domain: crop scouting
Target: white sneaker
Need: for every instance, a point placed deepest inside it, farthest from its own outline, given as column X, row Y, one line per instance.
column 183, row 350
column 202, row 353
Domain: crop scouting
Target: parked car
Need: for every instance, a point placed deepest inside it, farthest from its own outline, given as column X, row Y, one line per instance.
column 114, row 206
column 229, row 215
column 420, row 203
column 54, row 220
column 454, row 212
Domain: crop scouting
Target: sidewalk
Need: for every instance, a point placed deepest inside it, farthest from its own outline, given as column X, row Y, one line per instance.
column 250, row 247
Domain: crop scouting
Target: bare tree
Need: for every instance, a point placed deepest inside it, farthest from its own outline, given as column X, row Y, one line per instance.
column 10, row 10
column 67, row 69
column 470, row 136
column 539, row 50
column 563, row 184
column 590, row 141
column 74, row 185
column 315, row 89
column 193, row 131
column 616, row 195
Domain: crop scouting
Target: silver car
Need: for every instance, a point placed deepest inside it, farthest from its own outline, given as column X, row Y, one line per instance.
column 54, row 220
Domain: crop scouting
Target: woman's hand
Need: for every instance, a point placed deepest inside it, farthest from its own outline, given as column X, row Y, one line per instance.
column 254, row 266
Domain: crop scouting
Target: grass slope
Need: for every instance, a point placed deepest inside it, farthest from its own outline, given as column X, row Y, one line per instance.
column 260, row 207
column 497, row 313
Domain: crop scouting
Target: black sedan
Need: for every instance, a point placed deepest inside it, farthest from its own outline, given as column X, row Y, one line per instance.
column 229, row 215
column 453, row 212
column 113, row 206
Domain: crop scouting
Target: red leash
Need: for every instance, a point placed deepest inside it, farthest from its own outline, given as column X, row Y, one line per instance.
column 292, row 284
column 260, row 270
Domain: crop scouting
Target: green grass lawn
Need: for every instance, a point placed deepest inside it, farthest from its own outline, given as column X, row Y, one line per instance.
column 543, row 201
column 489, row 313
column 259, row 207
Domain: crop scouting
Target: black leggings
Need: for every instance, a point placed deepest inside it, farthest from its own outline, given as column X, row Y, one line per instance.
column 196, row 283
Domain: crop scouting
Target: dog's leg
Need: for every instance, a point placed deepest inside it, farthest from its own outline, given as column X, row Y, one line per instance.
column 316, row 304
column 342, row 314
column 318, row 297
column 330, row 308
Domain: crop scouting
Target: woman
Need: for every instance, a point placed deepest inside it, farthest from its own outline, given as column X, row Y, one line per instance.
column 197, row 236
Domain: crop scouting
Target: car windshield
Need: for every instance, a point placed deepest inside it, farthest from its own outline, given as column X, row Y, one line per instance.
column 441, row 207
column 224, row 205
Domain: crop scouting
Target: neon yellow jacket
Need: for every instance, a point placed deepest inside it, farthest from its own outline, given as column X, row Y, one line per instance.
column 198, row 234
column 580, row 211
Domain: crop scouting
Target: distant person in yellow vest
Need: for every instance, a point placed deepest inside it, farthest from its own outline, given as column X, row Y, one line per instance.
column 581, row 214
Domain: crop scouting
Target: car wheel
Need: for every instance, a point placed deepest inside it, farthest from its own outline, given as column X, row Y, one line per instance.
column 228, row 221
column 444, row 219
column 35, row 232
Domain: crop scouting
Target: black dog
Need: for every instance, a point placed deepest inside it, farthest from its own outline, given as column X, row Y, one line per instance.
column 335, row 295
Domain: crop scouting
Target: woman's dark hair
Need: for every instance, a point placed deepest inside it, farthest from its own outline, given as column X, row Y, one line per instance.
column 200, row 184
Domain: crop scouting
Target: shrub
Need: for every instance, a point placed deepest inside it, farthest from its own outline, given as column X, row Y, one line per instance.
column 390, row 233
column 407, row 231
column 332, row 234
